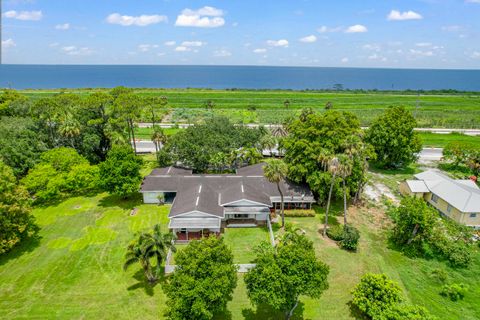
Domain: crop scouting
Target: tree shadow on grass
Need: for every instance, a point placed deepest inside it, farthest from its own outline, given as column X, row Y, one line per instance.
column 27, row 245
column 264, row 312
column 117, row 201
column 355, row 312
column 144, row 284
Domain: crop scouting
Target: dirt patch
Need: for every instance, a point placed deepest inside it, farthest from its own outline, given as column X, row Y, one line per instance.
column 134, row 211
column 374, row 217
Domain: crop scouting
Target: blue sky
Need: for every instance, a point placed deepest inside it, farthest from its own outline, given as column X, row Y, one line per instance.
column 353, row 33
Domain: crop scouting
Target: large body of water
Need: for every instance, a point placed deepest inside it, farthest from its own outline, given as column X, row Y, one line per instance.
column 224, row 77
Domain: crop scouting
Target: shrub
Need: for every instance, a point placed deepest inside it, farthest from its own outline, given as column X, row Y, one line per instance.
column 454, row 291
column 350, row 238
column 439, row 274
column 300, row 213
column 406, row 311
column 335, row 233
column 375, row 294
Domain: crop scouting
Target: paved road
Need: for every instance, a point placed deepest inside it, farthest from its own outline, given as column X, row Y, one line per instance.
column 427, row 154
column 469, row 132
column 430, row 154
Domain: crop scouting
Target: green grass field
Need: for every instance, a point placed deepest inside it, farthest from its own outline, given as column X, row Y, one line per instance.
column 74, row 271
column 187, row 105
column 441, row 140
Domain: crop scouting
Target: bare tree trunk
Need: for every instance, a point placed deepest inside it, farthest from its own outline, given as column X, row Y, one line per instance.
column 133, row 136
column 289, row 314
column 282, row 206
column 414, row 233
column 156, row 149
column 328, row 205
column 153, row 118
column 344, row 203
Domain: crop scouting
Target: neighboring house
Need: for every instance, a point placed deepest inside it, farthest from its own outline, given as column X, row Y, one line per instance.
column 207, row 203
column 456, row 199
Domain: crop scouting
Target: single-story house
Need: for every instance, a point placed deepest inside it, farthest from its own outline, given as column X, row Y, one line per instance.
column 207, row 203
column 456, row 199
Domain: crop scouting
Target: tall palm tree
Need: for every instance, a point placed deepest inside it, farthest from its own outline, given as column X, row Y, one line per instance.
column 159, row 244
column 331, row 163
column 158, row 138
column 139, row 252
column 275, row 171
column 344, row 170
column 150, row 245
column 279, row 131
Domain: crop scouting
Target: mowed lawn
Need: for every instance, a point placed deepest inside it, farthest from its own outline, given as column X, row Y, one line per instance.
column 75, row 270
column 242, row 242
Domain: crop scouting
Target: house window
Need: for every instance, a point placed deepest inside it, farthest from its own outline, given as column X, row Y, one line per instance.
column 473, row 215
column 240, row 216
column 449, row 208
column 435, row 198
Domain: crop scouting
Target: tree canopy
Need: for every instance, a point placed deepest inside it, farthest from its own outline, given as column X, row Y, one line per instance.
column 16, row 223
column 314, row 137
column 200, row 146
column 203, row 281
column 285, row 273
column 61, row 172
column 393, row 137
column 120, row 172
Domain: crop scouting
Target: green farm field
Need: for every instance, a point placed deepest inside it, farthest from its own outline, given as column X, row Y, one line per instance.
column 243, row 106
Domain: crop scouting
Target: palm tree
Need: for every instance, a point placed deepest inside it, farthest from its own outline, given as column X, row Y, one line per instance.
column 332, row 165
column 150, row 245
column 139, row 252
column 159, row 244
column 279, row 131
column 344, row 170
column 69, row 129
column 158, row 138
column 275, row 171
column 268, row 142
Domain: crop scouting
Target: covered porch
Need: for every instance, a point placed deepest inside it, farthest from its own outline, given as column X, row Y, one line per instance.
column 187, row 229
column 242, row 217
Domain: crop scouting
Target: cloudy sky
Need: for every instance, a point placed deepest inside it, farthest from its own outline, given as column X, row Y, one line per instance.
column 349, row 33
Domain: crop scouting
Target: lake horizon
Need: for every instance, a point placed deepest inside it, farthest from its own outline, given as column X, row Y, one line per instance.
column 36, row 76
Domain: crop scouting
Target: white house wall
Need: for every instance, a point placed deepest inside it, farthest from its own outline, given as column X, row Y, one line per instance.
column 151, row 197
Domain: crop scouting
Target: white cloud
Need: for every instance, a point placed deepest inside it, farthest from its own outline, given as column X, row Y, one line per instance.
column 260, row 50
column 75, row 51
column 472, row 1
column 309, row 39
column 358, row 28
column 377, row 57
column 372, row 47
column 325, row 29
column 182, row 49
column 147, row 47
column 24, row 15
column 421, row 53
column 475, row 55
column 278, row 43
column 64, row 26
column 140, row 21
column 452, row 28
column 222, row 53
column 9, row 43
column 206, row 17
column 54, row 44
column 423, row 44
column 345, row 60
column 192, row 43
column 396, row 15
column 170, row 43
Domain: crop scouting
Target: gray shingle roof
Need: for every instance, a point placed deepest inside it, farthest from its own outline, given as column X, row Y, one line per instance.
column 207, row 193
column 461, row 194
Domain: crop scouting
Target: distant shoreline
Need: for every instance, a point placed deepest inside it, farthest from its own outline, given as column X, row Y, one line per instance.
column 244, row 77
